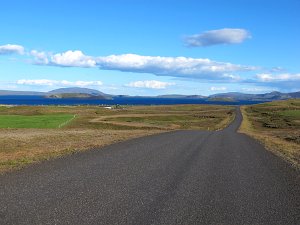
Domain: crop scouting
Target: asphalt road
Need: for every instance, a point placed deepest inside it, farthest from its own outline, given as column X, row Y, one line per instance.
column 182, row 177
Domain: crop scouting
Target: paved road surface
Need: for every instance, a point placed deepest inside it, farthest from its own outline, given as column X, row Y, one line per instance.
column 182, row 177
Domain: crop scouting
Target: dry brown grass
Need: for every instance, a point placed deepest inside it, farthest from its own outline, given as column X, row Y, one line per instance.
column 19, row 148
column 95, row 127
column 275, row 139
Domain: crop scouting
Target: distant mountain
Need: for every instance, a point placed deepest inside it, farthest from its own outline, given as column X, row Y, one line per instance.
column 295, row 94
column 221, row 99
column 275, row 95
column 180, row 96
column 237, row 96
column 76, row 92
column 77, row 95
column 230, row 95
column 7, row 92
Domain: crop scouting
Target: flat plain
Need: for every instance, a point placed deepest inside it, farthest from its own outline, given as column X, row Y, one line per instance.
column 35, row 121
column 39, row 133
column 277, row 126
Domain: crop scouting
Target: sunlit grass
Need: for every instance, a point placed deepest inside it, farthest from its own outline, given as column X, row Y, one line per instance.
column 277, row 126
column 93, row 127
column 37, row 121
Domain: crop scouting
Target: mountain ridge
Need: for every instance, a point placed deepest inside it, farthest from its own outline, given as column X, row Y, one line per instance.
column 275, row 95
column 72, row 90
column 91, row 93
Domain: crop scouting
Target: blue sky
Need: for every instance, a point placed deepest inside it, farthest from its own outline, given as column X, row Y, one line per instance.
column 151, row 47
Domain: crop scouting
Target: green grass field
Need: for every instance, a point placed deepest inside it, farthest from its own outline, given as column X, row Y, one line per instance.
column 294, row 114
column 37, row 121
column 93, row 127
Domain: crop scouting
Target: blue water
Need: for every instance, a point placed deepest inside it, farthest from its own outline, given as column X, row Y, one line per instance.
column 39, row 100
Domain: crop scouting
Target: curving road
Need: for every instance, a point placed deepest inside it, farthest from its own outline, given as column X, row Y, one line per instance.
column 182, row 177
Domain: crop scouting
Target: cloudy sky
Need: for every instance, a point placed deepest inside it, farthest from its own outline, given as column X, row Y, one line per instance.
column 151, row 47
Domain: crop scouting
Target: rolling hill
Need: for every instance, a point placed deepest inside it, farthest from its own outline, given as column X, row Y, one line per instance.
column 77, row 92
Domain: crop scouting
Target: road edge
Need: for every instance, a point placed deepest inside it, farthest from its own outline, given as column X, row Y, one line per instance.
column 271, row 144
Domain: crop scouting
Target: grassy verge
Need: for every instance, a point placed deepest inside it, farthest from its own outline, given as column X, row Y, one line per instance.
column 277, row 126
column 32, row 140
column 20, row 148
column 36, row 121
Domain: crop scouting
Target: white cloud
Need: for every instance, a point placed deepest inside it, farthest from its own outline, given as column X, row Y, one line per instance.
column 199, row 68
column 11, row 49
column 171, row 66
column 153, row 84
column 217, row 37
column 42, row 82
column 81, row 83
column 277, row 69
column 72, row 59
column 218, row 88
column 64, row 83
column 232, row 77
column 268, row 77
column 40, row 57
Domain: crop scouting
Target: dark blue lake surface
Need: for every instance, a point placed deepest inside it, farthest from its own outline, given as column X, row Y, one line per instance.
column 39, row 100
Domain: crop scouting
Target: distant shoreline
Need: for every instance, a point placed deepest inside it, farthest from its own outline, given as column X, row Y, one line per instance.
column 40, row 100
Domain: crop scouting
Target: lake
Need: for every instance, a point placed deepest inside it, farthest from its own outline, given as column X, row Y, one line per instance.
column 40, row 100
